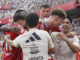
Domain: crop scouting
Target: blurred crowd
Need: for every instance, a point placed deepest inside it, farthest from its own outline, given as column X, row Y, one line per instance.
column 30, row 6
column 75, row 27
column 10, row 6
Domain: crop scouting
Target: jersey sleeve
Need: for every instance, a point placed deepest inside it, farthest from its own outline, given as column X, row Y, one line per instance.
column 53, row 36
column 76, row 41
column 5, row 26
column 50, row 43
column 17, row 41
column 13, row 35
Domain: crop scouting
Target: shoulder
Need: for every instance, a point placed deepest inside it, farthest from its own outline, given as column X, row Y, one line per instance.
column 54, row 33
column 21, row 28
column 24, row 34
column 43, row 32
column 55, row 29
column 75, row 37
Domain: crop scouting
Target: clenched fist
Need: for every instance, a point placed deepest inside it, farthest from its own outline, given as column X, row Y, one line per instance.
column 61, row 36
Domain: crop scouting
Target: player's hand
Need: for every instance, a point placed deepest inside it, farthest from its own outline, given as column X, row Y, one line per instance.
column 15, row 29
column 71, row 35
column 6, row 37
column 40, row 20
column 7, row 40
column 51, row 18
column 61, row 36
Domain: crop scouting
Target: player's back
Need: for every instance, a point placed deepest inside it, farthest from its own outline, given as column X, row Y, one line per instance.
column 35, row 45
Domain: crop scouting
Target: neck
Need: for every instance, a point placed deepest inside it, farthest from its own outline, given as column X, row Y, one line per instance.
column 16, row 22
column 33, row 28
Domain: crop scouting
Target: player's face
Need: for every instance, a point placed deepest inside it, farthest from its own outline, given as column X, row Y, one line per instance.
column 22, row 22
column 57, row 21
column 45, row 12
column 66, row 25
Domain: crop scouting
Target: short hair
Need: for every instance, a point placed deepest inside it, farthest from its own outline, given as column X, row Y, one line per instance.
column 44, row 6
column 32, row 20
column 20, row 11
column 18, row 16
column 68, row 17
column 59, row 13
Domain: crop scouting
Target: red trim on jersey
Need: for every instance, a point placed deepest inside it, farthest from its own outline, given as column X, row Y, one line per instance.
column 52, row 28
column 77, row 56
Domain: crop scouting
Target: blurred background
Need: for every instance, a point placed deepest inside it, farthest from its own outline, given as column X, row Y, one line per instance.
column 8, row 8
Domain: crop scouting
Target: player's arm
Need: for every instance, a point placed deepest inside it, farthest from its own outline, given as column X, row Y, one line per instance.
column 51, row 51
column 8, row 28
column 50, row 44
column 14, row 43
column 5, row 28
column 9, row 41
column 49, row 20
column 74, row 46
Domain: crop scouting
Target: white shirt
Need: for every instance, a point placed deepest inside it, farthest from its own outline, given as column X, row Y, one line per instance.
column 35, row 44
column 63, row 51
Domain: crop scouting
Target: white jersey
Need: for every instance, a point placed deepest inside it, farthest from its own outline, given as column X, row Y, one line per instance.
column 35, row 44
column 63, row 51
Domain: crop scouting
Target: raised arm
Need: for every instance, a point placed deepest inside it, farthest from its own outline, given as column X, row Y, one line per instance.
column 8, row 28
column 73, row 45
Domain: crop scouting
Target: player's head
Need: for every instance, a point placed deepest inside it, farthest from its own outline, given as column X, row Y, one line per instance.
column 20, row 11
column 67, row 24
column 58, row 16
column 44, row 11
column 19, row 18
column 32, row 20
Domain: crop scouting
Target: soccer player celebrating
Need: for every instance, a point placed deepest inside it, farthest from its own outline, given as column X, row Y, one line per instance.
column 44, row 13
column 52, row 23
column 10, row 52
column 66, row 43
column 35, row 43
column 8, row 27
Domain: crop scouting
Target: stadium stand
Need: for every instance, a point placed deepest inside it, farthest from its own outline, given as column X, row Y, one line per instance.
column 8, row 7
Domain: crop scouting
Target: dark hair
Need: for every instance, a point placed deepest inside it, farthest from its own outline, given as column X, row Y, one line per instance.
column 59, row 13
column 32, row 20
column 25, row 27
column 18, row 16
column 45, row 6
column 20, row 11
column 68, row 17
